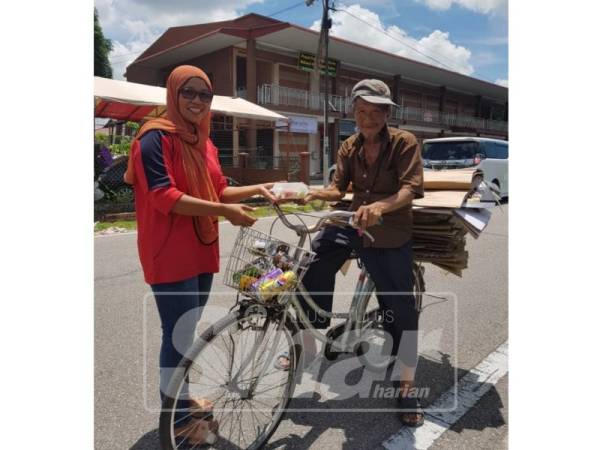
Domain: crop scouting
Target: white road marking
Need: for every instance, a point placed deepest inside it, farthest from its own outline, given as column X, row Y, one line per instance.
column 453, row 404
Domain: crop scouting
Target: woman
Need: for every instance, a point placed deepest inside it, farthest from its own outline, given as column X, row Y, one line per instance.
column 385, row 168
column 180, row 191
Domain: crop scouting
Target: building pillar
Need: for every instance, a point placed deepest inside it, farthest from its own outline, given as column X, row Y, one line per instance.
column 304, row 167
column 236, row 140
column 478, row 106
column 396, row 89
column 442, row 107
column 276, row 152
column 251, row 89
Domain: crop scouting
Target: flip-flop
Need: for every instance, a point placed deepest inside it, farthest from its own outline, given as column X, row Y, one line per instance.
column 278, row 366
column 411, row 405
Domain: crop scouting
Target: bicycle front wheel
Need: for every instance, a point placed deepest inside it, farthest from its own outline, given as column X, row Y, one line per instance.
column 233, row 366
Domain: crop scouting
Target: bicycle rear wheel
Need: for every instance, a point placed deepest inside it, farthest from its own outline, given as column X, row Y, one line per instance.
column 232, row 365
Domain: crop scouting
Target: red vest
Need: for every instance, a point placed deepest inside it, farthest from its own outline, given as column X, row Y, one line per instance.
column 168, row 247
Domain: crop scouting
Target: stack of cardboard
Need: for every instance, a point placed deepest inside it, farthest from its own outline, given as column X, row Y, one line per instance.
column 455, row 203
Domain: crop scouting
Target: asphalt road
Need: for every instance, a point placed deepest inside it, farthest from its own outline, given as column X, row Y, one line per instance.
column 127, row 337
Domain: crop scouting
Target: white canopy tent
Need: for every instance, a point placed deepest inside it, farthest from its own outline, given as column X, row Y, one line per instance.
column 133, row 101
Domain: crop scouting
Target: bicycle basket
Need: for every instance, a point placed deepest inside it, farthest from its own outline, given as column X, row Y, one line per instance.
column 262, row 267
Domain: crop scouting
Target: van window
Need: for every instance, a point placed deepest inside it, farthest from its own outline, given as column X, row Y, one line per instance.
column 502, row 150
column 451, row 150
column 496, row 150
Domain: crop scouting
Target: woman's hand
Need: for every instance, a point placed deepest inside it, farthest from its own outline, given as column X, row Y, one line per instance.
column 238, row 215
column 367, row 215
column 265, row 191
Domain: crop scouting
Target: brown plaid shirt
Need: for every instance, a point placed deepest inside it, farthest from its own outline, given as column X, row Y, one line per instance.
column 398, row 164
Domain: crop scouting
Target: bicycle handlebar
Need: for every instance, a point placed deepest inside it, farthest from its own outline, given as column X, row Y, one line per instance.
column 342, row 217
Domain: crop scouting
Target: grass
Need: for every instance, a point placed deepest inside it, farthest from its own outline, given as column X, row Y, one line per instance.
column 259, row 211
column 127, row 224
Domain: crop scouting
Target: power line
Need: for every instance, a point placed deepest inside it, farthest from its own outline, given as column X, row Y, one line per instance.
column 393, row 37
column 397, row 40
column 287, row 9
column 120, row 58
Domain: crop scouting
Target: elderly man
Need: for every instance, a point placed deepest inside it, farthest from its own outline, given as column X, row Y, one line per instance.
column 385, row 168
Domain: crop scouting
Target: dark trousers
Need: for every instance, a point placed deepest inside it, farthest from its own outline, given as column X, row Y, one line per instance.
column 389, row 268
column 179, row 307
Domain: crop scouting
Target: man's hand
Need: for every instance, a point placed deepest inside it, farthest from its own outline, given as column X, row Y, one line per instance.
column 238, row 215
column 367, row 215
column 313, row 194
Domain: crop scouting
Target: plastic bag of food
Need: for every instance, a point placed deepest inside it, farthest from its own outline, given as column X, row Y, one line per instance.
column 290, row 191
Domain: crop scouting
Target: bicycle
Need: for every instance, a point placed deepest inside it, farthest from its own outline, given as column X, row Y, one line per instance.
column 231, row 363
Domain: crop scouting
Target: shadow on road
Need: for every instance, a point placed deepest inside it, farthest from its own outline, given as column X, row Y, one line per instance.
column 148, row 441
column 365, row 429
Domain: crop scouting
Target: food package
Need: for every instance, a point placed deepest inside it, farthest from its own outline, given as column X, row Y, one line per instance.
column 272, row 287
column 290, row 191
column 269, row 276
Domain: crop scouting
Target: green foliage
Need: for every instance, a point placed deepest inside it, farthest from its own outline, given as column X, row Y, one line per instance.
column 121, row 146
column 101, row 138
column 102, row 47
column 131, row 125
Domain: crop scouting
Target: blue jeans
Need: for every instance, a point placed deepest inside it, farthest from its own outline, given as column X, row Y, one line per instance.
column 179, row 306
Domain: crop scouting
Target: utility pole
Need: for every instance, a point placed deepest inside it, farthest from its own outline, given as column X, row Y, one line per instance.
column 326, row 25
column 324, row 38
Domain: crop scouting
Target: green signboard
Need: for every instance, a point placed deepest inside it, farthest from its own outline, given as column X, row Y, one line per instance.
column 306, row 61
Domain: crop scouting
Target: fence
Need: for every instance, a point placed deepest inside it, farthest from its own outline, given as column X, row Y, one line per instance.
column 447, row 119
column 262, row 169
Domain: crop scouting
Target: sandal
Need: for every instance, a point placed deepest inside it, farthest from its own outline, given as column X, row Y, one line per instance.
column 278, row 365
column 411, row 405
column 202, row 428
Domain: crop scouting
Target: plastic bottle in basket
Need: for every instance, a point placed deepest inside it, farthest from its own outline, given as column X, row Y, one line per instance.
column 273, row 287
column 273, row 274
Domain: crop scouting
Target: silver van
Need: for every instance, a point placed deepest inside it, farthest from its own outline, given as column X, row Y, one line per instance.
column 489, row 155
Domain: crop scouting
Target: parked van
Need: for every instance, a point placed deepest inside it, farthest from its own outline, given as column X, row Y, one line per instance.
column 489, row 155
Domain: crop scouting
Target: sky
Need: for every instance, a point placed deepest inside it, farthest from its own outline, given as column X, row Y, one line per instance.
column 466, row 36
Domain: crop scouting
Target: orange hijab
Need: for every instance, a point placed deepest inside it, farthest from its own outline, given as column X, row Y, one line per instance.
column 193, row 137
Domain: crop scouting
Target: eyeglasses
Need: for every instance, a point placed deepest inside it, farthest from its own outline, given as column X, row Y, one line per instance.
column 190, row 94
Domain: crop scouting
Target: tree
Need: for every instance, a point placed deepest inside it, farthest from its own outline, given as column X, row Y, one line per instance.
column 102, row 47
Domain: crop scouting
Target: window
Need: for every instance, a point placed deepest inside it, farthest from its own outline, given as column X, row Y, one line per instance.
column 450, row 150
column 496, row 150
column 502, row 150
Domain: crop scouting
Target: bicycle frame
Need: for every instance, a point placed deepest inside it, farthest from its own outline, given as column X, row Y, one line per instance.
column 354, row 317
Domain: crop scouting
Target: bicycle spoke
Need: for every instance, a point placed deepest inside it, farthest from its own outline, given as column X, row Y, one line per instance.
column 260, row 411
column 212, row 365
column 271, row 388
column 236, row 361
column 201, row 373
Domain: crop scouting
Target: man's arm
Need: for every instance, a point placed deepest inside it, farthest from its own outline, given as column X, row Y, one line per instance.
column 330, row 194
